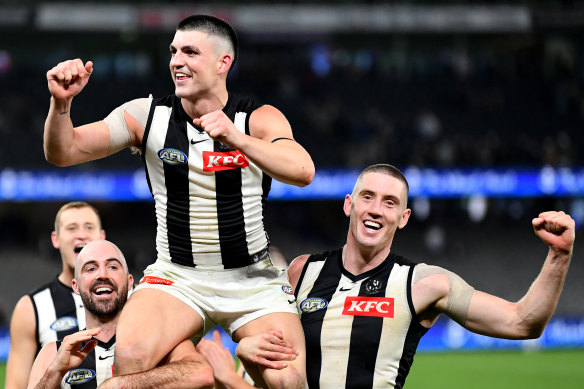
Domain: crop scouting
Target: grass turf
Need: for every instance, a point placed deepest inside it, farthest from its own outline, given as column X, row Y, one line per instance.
column 501, row 370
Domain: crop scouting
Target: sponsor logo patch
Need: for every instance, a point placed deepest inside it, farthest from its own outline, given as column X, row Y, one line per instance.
column 313, row 304
column 369, row 306
column 172, row 156
column 216, row 161
column 79, row 376
column 64, row 323
column 155, row 280
column 287, row 289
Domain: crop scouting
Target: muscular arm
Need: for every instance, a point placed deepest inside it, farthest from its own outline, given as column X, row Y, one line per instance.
column 528, row 317
column 184, row 368
column 41, row 377
column 285, row 160
column 490, row 315
column 23, row 344
column 295, row 269
column 65, row 144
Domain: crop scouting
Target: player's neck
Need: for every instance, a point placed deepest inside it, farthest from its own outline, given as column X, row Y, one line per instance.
column 358, row 260
column 197, row 107
column 66, row 276
column 108, row 326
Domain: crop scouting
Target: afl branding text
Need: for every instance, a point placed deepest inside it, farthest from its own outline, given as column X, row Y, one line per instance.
column 172, row 156
column 369, row 306
column 216, row 161
column 64, row 323
column 79, row 376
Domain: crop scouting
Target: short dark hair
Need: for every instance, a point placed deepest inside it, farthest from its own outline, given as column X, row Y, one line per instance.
column 385, row 168
column 213, row 26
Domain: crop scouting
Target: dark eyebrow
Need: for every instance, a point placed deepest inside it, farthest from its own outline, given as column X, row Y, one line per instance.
column 93, row 262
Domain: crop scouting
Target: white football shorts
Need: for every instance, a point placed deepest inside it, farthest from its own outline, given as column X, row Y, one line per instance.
column 230, row 298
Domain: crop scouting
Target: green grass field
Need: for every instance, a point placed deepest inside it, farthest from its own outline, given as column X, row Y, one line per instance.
column 501, row 370
column 488, row 370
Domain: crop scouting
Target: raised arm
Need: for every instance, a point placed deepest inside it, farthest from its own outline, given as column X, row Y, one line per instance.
column 271, row 145
column 23, row 344
column 490, row 315
column 63, row 144
column 183, row 368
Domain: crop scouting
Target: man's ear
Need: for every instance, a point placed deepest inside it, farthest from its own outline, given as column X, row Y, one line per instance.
column 404, row 218
column 55, row 240
column 224, row 63
column 347, row 205
column 130, row 282
column 75, row 286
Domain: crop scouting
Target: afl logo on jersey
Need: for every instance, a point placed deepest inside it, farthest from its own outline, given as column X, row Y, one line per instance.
column 313, row 304
column 287, row 289
column 172, row 156
column 79, row 376
column 64, row 323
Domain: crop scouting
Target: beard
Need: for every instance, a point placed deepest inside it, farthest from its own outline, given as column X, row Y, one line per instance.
column 105, row 308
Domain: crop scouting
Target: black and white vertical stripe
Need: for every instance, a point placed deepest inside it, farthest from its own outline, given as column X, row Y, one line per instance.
column 94, row 370
column 205, row 217
column 353, row 351
column 58, row 312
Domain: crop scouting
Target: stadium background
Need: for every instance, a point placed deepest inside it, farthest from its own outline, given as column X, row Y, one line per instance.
column 477, row 101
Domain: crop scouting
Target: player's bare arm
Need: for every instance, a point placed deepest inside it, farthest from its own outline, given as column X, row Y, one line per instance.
column 271, row 145
column 51, row 364
column 23, row 345
column 295, row 269
column 528, row 317
column 491, row 315
column 66, row 145
column 182, row 368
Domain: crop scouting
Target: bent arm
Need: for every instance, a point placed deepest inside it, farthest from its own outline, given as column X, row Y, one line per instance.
column 493, row 316
column 284, row 159
column 184, row 368
column 529, row 316
column 23, row 344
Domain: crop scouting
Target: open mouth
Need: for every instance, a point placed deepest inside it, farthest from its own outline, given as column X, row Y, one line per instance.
column 181, row 76
column 103, row 291
column 78, row 249
column 372, row 225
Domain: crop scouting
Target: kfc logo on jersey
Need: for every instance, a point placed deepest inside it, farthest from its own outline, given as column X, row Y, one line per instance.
column 369, row 306
column 215, row 161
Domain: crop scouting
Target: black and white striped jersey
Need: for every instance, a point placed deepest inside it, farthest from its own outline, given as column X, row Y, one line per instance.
column 361, row 331
column 96, row 368
column 58, row 312
column 209, row 198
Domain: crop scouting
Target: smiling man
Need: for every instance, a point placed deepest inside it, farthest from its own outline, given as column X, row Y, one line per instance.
column 364, row 308
column 85, row 359
column 210, row 156
column 53, row 310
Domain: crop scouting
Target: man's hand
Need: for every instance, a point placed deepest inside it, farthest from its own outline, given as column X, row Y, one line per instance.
column 267, row 349
column 220, row 128
column 557, row 230
column 219, row 357
column 68, row 78
column 70, row 354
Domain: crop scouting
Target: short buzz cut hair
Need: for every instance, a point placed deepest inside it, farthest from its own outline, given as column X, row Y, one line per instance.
column 74, row 205
column 383, row 168
column 213, row 26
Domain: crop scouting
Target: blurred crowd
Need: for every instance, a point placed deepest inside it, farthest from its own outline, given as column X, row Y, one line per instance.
column 352, row 100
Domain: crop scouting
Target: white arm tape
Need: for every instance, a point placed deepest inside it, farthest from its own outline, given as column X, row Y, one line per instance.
column 120, row 136
column 459, row 294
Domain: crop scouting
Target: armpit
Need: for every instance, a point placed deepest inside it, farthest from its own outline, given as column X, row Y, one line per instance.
column 459, row 294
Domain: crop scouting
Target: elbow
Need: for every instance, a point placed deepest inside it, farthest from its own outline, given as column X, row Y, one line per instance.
column 53, row 159
column 306, row 176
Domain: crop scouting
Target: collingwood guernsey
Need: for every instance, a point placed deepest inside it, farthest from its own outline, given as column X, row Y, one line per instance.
column 208, row 197
column 361, row 331
column 95, row 369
